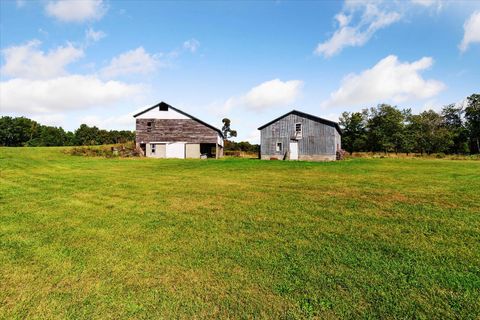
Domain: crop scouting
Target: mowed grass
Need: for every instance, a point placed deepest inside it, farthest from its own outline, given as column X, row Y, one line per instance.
column 86, row 238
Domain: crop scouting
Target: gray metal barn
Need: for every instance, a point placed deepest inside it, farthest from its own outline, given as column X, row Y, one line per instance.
column 300, row 136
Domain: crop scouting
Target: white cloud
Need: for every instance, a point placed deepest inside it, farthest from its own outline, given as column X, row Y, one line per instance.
column 191, row 45
column 269, row 94
column 357, row 23
column 72, row 92
column 76, row 10
column 125, row 121
column 26, row 61
column 471, row 31
column 388, row 80
column 94, row 36
column 429, row 3
column 51, row 119
column 132, row 62
column 273, row 93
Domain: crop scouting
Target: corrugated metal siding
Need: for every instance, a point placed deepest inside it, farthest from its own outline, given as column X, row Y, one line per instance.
column 317, row 138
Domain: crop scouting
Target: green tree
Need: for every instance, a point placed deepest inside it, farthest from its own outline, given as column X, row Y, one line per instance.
column 472, row 119
column 452, row 120
column 385, row 127
column 86, row 135
column 354, row 133
column 430, row 133
column 226, row 130
column 16, row 132
column 52, row 136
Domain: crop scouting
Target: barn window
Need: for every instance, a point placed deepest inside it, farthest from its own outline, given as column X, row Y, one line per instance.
column 149, row 126
column 153, row 148
column 298, row 130
column 279, row 146
column 163, row 107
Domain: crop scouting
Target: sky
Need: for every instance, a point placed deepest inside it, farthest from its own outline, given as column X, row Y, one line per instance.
column 64, row 63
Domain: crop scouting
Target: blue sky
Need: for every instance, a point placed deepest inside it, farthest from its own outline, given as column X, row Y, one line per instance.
column 98, row 62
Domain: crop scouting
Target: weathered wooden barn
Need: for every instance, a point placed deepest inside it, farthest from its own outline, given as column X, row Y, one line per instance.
column 163, row 131
column 300, row 136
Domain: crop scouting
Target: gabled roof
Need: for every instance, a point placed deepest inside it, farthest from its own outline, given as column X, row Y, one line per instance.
column 305, row 115
column 182, row 112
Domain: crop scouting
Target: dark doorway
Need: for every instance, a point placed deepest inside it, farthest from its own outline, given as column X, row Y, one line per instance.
column 143, row 146
column 208, row 149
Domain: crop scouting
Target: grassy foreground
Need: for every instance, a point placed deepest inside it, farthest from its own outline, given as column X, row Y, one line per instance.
column 86, row 238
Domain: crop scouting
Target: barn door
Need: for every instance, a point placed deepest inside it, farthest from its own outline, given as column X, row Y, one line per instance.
column 175, row 150
column 293, row 150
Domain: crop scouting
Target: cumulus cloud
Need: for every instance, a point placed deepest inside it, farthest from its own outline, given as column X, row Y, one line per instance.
column 39, row 82
column 269, row 94
column 273, row 93
column 357, row 23
column 429, row 3
column 76, row 10
column 94, row 36
column 191, row 45
column 51, row 119
column 136, row 61
column 471, row 31
column 124, row 121
column 71, row 92
column 26, row 61
column 388, row 80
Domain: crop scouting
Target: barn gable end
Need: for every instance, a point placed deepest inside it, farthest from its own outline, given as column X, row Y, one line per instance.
column 300, row 136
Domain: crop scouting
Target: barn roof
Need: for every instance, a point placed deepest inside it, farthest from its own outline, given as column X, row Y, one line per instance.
column 182, row 112
column 305, row 115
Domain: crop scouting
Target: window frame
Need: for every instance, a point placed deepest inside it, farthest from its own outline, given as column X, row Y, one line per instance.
column 301, row 127
column 279, row 147
column 153, row 148
column 149, row 126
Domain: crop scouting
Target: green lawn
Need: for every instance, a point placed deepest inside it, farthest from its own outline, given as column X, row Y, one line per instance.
column 144, row 238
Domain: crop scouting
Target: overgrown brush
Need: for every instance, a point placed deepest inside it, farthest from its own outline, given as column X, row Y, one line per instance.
column 127, row 150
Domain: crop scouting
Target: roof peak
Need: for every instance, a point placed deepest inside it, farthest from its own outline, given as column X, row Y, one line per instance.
column 182, row 112
column 305, row 115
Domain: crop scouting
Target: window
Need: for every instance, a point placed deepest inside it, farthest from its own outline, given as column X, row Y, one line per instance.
column 298, row 130
column 163, row 107
column 279, row 147
column 149, row 126
column 153, row 148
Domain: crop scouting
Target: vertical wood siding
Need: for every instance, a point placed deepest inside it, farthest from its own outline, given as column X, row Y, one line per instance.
column 317, row 138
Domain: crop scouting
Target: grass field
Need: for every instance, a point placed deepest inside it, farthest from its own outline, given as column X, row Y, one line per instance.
column 85, row 238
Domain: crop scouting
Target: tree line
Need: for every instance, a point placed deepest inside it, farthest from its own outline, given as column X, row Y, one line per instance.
column 21, row 131
column 386, row 128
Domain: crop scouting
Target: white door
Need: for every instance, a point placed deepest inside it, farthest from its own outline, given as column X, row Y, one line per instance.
column 175, row 150
column 293, row 151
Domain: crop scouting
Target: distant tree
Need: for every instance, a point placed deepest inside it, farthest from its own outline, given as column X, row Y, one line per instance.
column 241, row 146
column 52, row 136
column 430, row 133
column 452, row 120
column 16, row 132
column 354, row 133
column 226, row 130
column 69, row 138
column 385, row 128
column 472, row 119
column 86, row 135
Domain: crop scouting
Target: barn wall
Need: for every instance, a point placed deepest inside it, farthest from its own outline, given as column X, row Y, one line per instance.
column 192, row 150
column 318, row 139
column 174, row 130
